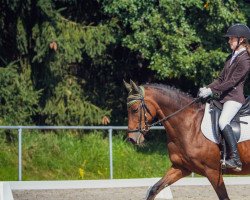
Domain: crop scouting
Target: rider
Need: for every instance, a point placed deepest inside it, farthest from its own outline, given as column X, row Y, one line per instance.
column 228, row 87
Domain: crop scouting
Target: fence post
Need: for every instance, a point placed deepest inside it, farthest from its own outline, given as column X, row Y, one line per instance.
column 110, row 154
column 20, row 154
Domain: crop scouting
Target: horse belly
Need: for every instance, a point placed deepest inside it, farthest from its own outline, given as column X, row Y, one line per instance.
column 245, row 171
column 244, row 151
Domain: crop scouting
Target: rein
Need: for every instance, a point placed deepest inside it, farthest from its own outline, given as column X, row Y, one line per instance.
column 176, row 112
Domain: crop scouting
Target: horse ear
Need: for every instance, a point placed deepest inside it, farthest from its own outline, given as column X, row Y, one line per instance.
column 134, row 86
column 127, row 86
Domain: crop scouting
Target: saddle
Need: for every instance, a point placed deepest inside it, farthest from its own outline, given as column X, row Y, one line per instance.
column 216, row 108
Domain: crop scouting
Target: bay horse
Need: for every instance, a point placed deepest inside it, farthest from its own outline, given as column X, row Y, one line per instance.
column 189, row 150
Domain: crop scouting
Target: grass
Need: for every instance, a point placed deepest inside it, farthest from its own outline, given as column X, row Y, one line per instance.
column 73, row 156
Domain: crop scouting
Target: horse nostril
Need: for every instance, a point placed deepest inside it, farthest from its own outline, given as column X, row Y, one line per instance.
column 131, row 140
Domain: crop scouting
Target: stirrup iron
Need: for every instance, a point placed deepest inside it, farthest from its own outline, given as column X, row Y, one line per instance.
column 223, row 164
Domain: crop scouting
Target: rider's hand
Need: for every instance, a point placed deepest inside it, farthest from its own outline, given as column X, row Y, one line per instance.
column 205, row 92
column 203, row 88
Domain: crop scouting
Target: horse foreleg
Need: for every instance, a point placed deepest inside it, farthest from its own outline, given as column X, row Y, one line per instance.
column 171, row 176
column 216, row 179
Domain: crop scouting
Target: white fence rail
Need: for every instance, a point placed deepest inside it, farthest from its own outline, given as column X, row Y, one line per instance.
column 108, row 128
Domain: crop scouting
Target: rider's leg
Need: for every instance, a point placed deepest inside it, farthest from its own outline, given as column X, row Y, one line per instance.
column 230, row 109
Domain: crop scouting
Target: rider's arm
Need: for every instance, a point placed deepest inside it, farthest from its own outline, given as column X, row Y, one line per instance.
column 237, row 76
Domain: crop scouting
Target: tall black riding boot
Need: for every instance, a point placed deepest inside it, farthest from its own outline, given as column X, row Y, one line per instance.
column 234, row 161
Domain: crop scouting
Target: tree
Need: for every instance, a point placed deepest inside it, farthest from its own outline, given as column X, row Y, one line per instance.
column 54, row 48
column 74, row 54
column 19, row 100
column 177, row 38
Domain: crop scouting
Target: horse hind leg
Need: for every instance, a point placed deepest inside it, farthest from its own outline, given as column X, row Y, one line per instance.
column 171, row 176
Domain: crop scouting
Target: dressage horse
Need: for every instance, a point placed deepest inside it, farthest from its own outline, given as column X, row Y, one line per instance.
column 189, row 150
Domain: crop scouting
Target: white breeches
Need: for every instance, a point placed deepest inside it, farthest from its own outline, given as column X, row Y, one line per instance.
column 230, row 109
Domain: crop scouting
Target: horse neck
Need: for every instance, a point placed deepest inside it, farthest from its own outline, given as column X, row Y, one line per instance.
column 168, row 104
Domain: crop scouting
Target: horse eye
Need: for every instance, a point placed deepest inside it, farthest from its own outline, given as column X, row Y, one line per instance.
column 135, row 110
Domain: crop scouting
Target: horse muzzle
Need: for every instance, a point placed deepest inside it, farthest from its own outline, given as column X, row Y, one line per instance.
column 136, row 138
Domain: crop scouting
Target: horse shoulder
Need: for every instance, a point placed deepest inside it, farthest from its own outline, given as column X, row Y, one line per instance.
column 174, row 154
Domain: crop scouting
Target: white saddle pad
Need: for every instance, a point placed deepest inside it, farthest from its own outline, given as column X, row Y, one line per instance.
column 207, row 130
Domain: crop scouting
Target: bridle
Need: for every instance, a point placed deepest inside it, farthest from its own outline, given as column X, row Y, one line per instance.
column 144, row 109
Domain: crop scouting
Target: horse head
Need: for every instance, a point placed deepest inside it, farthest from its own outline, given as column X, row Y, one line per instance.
column 140, row 113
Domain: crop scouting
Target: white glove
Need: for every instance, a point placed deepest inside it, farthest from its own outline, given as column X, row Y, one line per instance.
column 201, row 89
column 205, row 92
